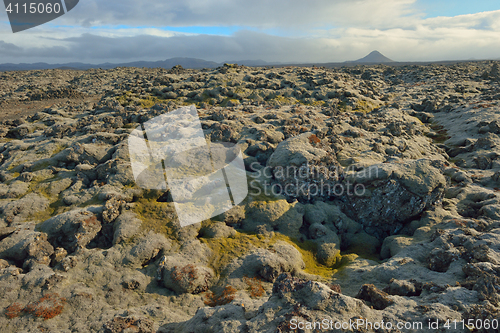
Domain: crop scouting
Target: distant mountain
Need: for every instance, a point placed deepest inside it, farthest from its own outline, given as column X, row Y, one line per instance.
column 255, row 63
column 169, row 63
column 375, row 57
column 193, row 63
column 24, row 66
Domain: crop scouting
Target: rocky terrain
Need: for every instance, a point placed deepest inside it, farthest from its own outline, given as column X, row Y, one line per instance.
column 409, row 236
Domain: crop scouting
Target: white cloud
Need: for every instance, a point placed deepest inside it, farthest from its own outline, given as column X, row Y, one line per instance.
column 256, row 13
column 325, row 31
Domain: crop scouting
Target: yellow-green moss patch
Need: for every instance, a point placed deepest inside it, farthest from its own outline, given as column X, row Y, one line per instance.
column 282, row 100
column 362, row 252
column 365, row 106
column 227, row 249
column 308, row 250
column 55, row 208
column 314, row 103
column 156, row 216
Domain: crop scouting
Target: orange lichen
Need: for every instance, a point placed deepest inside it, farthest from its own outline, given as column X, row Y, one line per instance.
column 14, row 310
column 459, row 223
column 226, row 296
column 47, row 306
column 188, row 270
column 484, row 105
column 255, row 286
column 335, row 287
column 313, row 139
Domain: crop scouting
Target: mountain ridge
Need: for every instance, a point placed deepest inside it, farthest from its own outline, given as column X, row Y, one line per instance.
column 186, row 62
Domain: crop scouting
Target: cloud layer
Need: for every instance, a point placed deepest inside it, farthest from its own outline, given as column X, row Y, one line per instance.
column 256, row 13
column 318, row 31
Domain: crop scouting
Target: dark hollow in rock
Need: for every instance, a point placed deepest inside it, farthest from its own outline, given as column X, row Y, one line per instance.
column 285, row 283
column 376, row 297
column 485, row 279
column 129, row 324
column 402, row 288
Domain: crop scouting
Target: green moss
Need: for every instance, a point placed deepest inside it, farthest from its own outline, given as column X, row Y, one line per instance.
column 205, row 98
column 58, row 149
column 151, row 101
column 130, row 125
column 40, row 165
column 363, row 252
column 4, row 140
column 441, row 133
column 92, row 202
column 342, row 106
column 257, row 192
column 239, row 90
column 156, row 216
column 210, row 101
column 226, row 101
column 227, row 249
column 308, row 250
column 56, row 205
column 55, row 208
column 282, row 100
column 125, row 99
column 314, row 103
column 364, row 106
column 11, row 168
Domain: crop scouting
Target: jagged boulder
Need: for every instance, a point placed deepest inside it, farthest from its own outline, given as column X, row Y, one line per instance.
column 384, row 197
column 72, row 229
column 304, row 168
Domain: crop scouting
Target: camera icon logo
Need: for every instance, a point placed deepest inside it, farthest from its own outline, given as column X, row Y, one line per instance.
column 204, row 179
column 24, row 15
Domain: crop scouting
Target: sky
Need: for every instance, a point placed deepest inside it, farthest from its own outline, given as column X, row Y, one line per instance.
column 284, row 31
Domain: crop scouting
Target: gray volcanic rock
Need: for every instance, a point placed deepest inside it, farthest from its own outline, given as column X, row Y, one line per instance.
column 218, row 230
column 303, row 169
column 72, row 230
column 292, row 298
column 187, row 278
column 266, row 264
column 147, row 248
column 121, row 324
column 187, row 271
column 328, row 244
column 26, row 246
column 125, row 227
column 23, row 208
column 265, row 216
column 393, row 194
column 14, row 190
column 415, row 220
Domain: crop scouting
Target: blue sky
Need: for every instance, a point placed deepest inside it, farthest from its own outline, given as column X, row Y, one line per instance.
column 434, row 8
column 273, row 30
column 429, row 9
